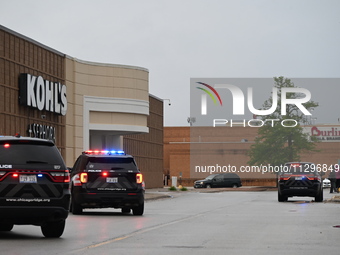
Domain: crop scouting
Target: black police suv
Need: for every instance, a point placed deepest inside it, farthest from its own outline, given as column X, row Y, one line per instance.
column 300, row 179
column 34, row 185
column 103, row 179
column 219, row 181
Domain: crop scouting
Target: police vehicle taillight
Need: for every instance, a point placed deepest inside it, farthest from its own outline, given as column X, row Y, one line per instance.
column 61, row 176
column 139, row 178
column 83, row 177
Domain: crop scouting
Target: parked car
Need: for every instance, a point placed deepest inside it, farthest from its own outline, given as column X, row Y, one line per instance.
column 34, row 185
column 219, row 181
column 300, row 179
column 326, row 183
column 103, row 179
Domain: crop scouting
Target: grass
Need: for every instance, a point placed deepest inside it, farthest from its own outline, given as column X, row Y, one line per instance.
column 173, row 188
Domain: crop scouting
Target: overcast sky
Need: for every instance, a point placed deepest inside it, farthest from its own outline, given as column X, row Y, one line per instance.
column 181, row 39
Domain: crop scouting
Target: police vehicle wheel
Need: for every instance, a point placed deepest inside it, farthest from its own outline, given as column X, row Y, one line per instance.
column 53, row 229
column 6, row 226
column 139, row 210
column 319, row 197
column 76, row 208
column 281, row 198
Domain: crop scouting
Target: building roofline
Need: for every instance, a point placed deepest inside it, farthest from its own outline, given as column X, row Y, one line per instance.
column 107, row 64
column 31, row 40
column 64, row 55
column 155, row 97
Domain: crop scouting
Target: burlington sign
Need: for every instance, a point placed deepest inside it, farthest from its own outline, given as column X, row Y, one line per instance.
column 42, row 94
column 324, row 134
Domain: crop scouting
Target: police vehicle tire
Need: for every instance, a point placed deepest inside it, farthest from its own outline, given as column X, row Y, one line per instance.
column 319, row 197
column 53, row 229
column 139, row 210
column 76, row 208
column 6, row 226
column 281, row 198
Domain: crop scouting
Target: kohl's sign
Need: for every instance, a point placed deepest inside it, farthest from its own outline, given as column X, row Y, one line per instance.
column 42, row 94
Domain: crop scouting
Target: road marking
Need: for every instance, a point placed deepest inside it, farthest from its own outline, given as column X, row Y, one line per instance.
column 137, row 232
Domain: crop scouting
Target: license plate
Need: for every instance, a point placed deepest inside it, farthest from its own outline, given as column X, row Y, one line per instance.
column 112, row 179
column 28, row 179
column 298, row 178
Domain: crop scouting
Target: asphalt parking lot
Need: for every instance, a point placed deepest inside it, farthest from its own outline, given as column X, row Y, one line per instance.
column 163, row 193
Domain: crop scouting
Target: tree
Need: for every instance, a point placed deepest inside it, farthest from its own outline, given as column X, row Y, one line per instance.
column 275, row 143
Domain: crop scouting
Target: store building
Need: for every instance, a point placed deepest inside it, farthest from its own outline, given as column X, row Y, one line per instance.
column 79, row 104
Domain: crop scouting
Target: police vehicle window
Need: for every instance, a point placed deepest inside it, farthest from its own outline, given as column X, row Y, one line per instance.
column 111, row 163
column 76, row 164
column 28, row 153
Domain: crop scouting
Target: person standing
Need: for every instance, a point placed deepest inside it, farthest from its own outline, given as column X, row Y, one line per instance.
column 337, row 176
column 332, row 179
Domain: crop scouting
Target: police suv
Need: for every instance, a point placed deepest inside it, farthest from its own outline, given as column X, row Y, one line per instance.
column 107, row 178
column 300, row 179
column 34, row 185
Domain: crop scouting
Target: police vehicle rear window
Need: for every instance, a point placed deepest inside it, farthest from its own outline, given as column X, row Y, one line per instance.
column 28, row 153
column 111, row 163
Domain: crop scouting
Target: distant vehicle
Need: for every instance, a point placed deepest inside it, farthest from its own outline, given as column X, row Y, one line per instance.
column 326, row 183
column 219, row 181
column 34, row 185
column 300, row 179
column 107, row 178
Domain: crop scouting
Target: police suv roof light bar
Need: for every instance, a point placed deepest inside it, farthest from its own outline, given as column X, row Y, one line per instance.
column 104, row 152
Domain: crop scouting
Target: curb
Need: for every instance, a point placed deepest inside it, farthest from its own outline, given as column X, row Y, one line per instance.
column 215, row 190
column 150, row 197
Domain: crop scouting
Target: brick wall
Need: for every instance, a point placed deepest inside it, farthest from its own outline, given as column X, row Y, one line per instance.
column 19, row 54
column 148, row 148
column 231, row 144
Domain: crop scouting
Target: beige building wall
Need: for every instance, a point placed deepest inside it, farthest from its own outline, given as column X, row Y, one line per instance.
column 103, row 99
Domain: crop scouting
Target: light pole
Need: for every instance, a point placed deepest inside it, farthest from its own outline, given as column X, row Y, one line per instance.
column 167, row 100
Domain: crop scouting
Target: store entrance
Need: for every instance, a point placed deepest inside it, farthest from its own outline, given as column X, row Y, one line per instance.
column 101, row 140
